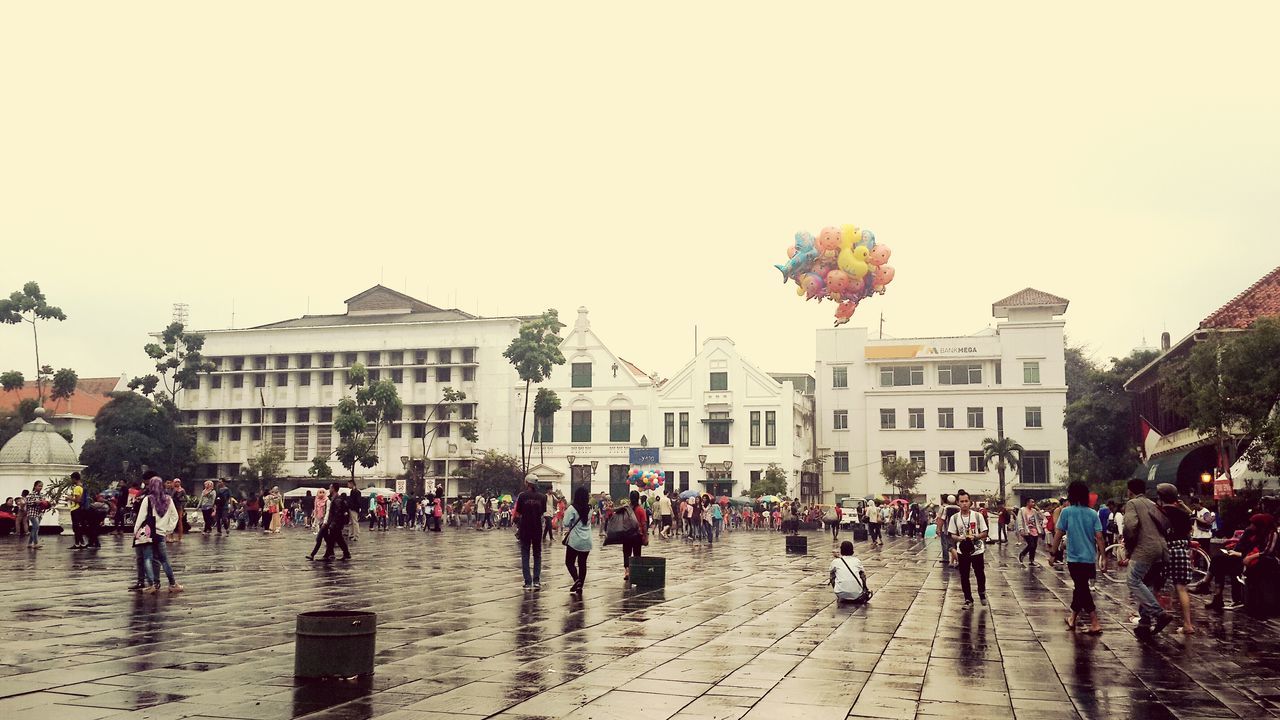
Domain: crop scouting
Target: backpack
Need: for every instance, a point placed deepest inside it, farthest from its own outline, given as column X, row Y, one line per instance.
column 622, row 526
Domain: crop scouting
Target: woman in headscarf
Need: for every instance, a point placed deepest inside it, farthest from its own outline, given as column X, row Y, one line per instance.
column 157, row 517
column 322, row 504
column 207, row 498
column 577, row 541
column 275, row 506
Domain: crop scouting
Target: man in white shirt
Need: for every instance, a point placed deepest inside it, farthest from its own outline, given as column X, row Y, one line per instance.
column 1203, row 518
column 848, row 578
column 968, row 531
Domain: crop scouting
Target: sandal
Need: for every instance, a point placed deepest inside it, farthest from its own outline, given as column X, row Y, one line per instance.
column 1070, row 625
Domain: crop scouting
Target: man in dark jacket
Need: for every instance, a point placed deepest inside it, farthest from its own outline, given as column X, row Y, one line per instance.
column 529, row 509
column 337, row 513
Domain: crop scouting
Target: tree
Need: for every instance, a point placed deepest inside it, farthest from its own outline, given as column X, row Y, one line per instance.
column 30, row 306
column 1251, row 378
column 1194, row 389
column 533, row 352
column 902, row 475
column 773, row 481
column 320, row 469
column 12, row 380
column 545, row 406
column 494, row 473
column 11, row 421
column 448, row 408
column 265, row 466
column 134, row 429
column 1005, row 452
column 360, row 419
column 179, row 362
column 1098, row 417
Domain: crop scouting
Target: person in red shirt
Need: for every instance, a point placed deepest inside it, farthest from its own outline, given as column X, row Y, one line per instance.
column 631, row 548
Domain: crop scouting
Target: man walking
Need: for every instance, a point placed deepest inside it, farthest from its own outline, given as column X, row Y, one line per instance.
column 353, row 503
column 529, row 509
column 1144, row 529
column 79, row 502
column 222, row 508
column 664, row 511
column 337, row 514
column 968, row 531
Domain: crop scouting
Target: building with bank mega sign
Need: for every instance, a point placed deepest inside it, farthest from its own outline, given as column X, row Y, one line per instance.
column 934, row 401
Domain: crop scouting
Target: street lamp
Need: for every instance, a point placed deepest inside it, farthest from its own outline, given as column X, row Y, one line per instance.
column 594, row 464
column 702, row 461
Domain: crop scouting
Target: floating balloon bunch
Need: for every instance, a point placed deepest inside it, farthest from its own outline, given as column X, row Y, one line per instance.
column 844, row 265
column 646, row 479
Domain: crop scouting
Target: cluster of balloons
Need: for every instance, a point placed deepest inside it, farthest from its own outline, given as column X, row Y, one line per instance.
column 844, row 265
column 646, row 479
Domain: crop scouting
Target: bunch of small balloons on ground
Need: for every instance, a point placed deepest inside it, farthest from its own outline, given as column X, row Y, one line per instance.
column 646, row 479
column 845, row 265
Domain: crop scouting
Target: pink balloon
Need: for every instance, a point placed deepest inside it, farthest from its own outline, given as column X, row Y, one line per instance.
column 839, row 281
column 886, row 275
column 828, row 239
column 880, row 255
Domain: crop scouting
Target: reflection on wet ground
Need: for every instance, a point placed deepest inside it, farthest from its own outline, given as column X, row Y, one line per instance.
column 741, row 630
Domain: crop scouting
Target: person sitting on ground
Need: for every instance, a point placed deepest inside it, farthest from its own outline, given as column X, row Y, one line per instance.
column 848, row 578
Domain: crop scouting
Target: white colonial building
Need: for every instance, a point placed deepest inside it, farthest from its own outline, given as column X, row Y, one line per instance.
column 279, row 383
column 934, row 401
column 716, row 425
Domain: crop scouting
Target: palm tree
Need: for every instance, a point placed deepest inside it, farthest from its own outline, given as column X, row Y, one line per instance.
column 1004, row 452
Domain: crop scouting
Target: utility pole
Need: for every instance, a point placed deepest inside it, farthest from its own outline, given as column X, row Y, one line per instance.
column 882, row 326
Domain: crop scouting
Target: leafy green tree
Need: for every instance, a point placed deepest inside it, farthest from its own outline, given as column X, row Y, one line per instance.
column 533, row 352
column 493, row 473
column 1098, row 417
column 265, row 466
column 179, row 363
column 320, row 469
column 64, row 384
column 11, row 421
column 360, row 419
column 773, row 481
column 545, row 406
column 134, row 429
column 903, row 476
column 1193, row 387
column 29, row 305
column 12, row 380
column 1005, row 452
column 1251, row 377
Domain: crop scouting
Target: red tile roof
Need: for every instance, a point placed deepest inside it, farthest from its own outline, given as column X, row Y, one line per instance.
column 90, row 396
column 1261, row 299
column 1030, row 297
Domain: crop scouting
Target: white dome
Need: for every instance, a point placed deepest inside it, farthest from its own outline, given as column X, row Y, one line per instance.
column 38, row 444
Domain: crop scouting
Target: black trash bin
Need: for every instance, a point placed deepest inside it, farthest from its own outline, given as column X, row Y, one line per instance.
column 648, row 572
column 859, row 532
column 797, row 544
column 334, row 643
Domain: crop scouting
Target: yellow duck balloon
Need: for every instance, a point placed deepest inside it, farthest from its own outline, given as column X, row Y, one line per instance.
column 852, row 260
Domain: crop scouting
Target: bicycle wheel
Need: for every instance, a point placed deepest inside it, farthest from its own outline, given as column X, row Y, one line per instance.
column 1115, row 566
column 1199, row 566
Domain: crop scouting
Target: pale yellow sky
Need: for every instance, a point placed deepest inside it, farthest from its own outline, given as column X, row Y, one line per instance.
column 651, row 162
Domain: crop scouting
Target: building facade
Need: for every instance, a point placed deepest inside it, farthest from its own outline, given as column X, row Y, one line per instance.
column 280, row 384
column 934, row 400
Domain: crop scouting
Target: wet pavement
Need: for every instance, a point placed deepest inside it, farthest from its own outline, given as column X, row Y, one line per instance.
column 740, row 631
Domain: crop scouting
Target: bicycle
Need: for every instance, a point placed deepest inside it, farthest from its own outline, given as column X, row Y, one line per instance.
column 1115, row 565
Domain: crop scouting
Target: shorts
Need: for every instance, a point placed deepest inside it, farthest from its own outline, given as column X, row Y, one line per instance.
column 666, row 521
column 1178, row 569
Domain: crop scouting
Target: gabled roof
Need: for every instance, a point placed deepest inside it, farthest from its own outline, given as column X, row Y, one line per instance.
column 398, row 298
column 1261, row 299
column 1029, row 298
column 640, row 374
column 90, row 396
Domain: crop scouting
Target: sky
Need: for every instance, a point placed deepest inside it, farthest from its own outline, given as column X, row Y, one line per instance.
column 650, row 162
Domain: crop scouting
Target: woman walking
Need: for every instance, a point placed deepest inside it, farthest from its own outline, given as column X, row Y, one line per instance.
column 36, row 504
column 1178, row 540
column 157, row 517
column 179, row 495
column 274, row 506
column 577, row 539
column 631, row 548
column 1031, row 526
column 207, row 498
column 1083, row 530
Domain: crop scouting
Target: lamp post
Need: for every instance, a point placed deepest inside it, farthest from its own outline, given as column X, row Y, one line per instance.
column 572, row 489
column 404, row 463
column 702, row 463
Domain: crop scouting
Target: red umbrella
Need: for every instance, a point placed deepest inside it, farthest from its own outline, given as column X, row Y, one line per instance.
column 722, row 499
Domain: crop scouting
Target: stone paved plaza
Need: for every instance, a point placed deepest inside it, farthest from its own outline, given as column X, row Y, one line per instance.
column 740, row 631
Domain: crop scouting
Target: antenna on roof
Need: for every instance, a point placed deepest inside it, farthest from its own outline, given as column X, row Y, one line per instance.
column 181, row 313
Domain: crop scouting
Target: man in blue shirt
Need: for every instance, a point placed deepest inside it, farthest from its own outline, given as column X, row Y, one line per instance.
column 1083, row 530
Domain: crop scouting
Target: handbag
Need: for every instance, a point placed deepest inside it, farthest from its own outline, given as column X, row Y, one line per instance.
column 622, row 527
column 146, row 533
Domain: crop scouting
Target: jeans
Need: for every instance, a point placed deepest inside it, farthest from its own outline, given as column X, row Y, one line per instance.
column 1148, row 608
column 979, row 569
column 873, row 532
column 716, row 523
column 1081, row 574
column 33, row 529
column 531, row 546
column 1030, row 549
column 576, row 562
column 706, row 530
column 154, row 552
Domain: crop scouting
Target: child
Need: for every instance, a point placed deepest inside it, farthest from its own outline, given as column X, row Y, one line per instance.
column 848, row 578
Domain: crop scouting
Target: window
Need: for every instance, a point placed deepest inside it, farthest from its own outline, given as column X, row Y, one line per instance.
column 213, row 434
column 215, row 382
column 999, row 379
column 620, row 426
column 348, row 359
column 684, row 480
column 374, row 376
column 901, row 375
column 280, row 417
column 304, row 361
column 1031, row 373
column 770, row 428
column 237, row 381
column 1035, row 467
column 255, row 416
column 915, row 418
column 444, row 374
column 719, row 381
column 237, row 363
column 260, row 380
column 755, row 428
column 282, row 379
column 326, row 360
column 946, row 417
column 420, row 375
column 282, row 362
column 255, row 434
column 445, row 355
column 304, row 379
column 544, row 429
column 960, row 374
column 468, row 411
column 443, row 430
column 718, row 428
column 326, row 377
column 840, row 420
column 888, row 456
column 235, row 417
column 977, row 463
column 841, row 461
column 888, row 418
column 419, row 412
column 684, row 430
column 324, row 442
column 396, row 431
column 468, row 374
column 669, row 430
column 300, row 443
column 234, row 434
column 581, row 375
column 975, row 417
column 580, row 431
column 840, row 377
column 755, row 478
column 279, row 436
column 917, row 457
column 946, row 461
column 326, row 415
column 468, row 355
column 304, row 415
column 397, row 376
column 260, row 362
column 1033, row 417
